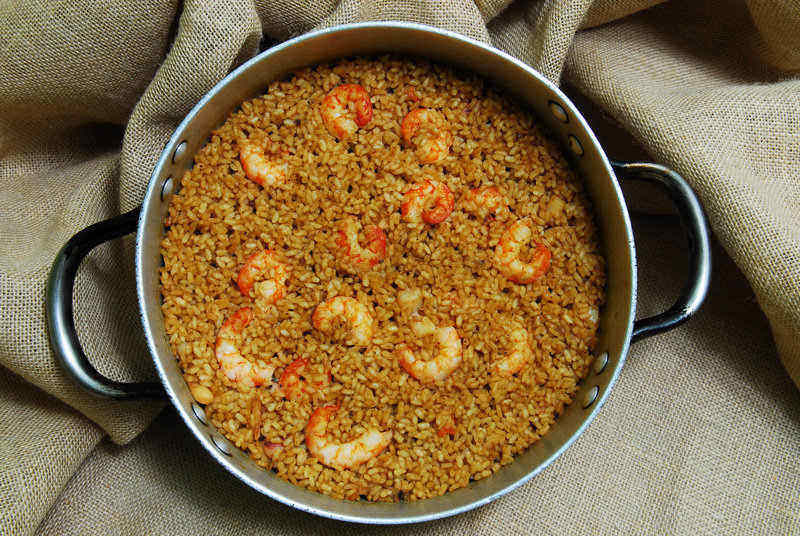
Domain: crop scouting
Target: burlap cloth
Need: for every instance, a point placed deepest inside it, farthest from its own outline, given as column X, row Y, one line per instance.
column 700, row 435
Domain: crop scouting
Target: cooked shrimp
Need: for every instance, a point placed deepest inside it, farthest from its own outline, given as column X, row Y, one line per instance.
column 411, row 93
column 231, row 362
column 520, row 353
column 443, row 364
column 293, row 385
column 346, row 108
column 363, row 257
column 485, row 202
column 431, row 201
column 266, row 262
column 506, row 255
column 342, row 455
column 426, row 129
column 347, row 310
column 259, row 169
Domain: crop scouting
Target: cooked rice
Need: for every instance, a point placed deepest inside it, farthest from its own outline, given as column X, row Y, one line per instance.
column 219, row 218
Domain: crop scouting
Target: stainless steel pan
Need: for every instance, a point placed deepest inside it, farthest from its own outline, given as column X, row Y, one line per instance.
column 617, row 325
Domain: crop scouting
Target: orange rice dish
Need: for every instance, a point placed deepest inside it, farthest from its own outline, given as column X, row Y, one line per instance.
column 382, row 279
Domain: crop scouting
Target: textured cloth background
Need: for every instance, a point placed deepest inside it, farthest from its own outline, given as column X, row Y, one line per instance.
column 700, row 434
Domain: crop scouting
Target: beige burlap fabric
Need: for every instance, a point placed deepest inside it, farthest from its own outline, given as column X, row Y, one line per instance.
column 699, row 436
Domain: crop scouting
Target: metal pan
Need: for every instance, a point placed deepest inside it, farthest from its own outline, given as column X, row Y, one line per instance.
column 617, row 325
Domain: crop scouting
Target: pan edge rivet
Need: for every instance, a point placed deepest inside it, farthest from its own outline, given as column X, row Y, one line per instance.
column 558, row 111
column 575, row 146
column 600, row 363
column 179, row 152
column 166, row 188
column 199, row 412
column 221, row 445
column 591, row 396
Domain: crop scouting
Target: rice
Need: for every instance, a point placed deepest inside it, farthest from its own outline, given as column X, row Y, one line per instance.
column 218, row 218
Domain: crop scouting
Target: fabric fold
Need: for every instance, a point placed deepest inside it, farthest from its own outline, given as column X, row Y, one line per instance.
column 90, row 93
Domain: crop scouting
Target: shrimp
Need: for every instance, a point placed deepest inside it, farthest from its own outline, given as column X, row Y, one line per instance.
column 431, row 201
column 520, row 353
column 266, row 261
column 443, row 364
column 506, row 255
column 293, row 387
column 342, row 455
column 345, row 109
column 260, row 170
column 485, row 202
column 344, row 309
column 426, row 129
column 231, row 362
column 363, row 257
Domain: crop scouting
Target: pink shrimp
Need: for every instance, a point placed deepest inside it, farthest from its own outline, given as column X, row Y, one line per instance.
column 235, row 367
column 265, row 262
column 507, row 259
column 259, row 169
column 342, row 455
column 426, row 129
column 346, row 108
column 431, row 202
column 347, row 310
column 443, row 364
column 293, row 386
column 362, row 257
column 485, row 202
column 520, row 353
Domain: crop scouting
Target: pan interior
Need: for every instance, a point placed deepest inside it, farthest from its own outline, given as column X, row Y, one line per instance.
column 545, row 101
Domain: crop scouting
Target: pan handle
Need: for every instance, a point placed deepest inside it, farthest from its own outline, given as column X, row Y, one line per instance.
column 60, row 322
column 694, row 224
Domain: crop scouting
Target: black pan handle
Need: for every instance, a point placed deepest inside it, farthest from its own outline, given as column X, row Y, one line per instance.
column 694, row 224
column 60, row 322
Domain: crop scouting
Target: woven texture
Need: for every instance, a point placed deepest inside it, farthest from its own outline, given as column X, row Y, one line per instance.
column 700, row 435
